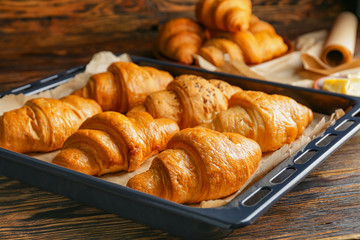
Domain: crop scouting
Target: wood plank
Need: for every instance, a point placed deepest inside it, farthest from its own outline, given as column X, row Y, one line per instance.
column 57, row 26
column 40, row 38
column 325, row 205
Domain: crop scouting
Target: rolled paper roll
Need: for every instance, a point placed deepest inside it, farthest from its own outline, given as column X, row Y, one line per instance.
column 340, row 44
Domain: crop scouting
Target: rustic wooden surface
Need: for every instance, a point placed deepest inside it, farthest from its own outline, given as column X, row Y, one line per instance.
column 325, row 205
column 41, row 38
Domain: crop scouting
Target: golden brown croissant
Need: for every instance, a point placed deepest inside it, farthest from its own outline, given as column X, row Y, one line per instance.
column 189, row 100
column 257, row 47
column 214, row 51
column 43, row 124
column 224, row 15
column 257, row 25
column 271, row 120
column 199, row 164
column 227, row 89
column 179, row 39
column 124, row 85
column 110, row 142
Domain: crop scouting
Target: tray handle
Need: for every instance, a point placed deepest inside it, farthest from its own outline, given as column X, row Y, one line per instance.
column 262, row 195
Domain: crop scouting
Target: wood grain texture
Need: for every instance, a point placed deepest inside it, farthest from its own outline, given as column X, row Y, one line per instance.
column 41, row 38
column 57, row 27
column 54, row 26
column 325, row 205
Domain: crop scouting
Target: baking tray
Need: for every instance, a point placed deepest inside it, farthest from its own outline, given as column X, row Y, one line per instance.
column 182, row 220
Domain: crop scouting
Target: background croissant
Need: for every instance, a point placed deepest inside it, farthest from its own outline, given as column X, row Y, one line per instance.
column 214, row 50
column 43, row 124
column 224, row 15
column 124, row 85
column 258, row 25
column 258, row 46
column 110, row 142
column 179, row 39
column 199, row 164
column 271, row 120
column 189, row 100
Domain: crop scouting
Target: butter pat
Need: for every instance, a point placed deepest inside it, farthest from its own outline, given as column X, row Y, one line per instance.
column 348, row 86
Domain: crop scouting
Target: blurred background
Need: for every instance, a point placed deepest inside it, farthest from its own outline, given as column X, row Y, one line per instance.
column 66, row 33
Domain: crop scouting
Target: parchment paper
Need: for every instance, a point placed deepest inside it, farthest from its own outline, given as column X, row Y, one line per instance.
column 340, row 44
column 99, row 63
column 305, row 64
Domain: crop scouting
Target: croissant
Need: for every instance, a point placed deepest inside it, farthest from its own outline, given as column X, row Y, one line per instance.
column 124, row 85
column 259, row 43
column 227, row 89
column 179, row 39
column 257, row 25
column 214, row 51
column 43, row 124
column 271, row 120
column 199, row 164
column 257, row 47
column 224, row 15
column 110, row 142
column 189, row 100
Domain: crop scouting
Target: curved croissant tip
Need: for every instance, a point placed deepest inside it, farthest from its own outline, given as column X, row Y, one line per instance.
column 147, row 182
column 76, row 160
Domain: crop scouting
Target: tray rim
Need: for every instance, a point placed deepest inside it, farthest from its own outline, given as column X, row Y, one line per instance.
column 212, row 216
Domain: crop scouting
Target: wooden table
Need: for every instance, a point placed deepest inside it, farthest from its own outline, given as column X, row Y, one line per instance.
column 325, row 205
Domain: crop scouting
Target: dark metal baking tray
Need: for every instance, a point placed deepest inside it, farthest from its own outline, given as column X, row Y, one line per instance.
column 182, row 220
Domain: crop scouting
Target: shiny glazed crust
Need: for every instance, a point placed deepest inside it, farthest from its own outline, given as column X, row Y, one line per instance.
column 256, row 47
column 43, row 124
column 199, row 164
column 214, row 51
column 271, row 120
column 179, row 39
column 124, row 85
column 189, row 100
column 224, row 15
column 111, row 142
